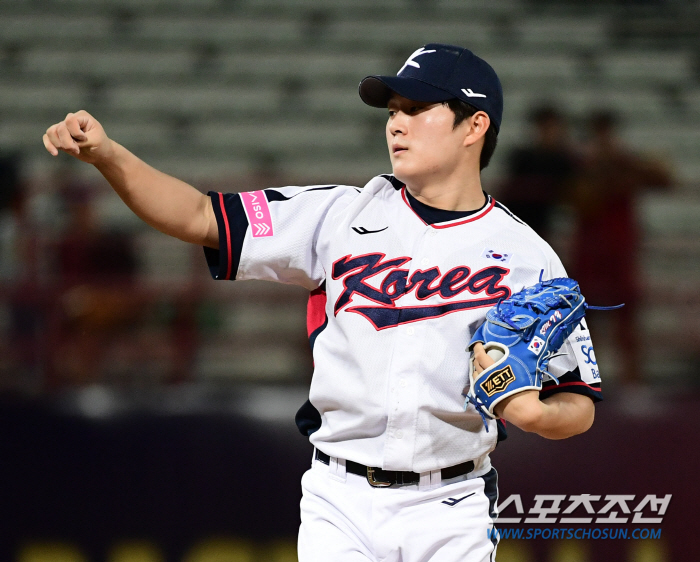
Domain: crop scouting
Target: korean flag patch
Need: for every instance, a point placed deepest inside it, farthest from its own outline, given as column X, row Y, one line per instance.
column 497, row 256
column 536, row 345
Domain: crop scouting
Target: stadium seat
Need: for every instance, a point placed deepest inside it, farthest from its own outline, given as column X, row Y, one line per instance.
column 50, row 552
column 281, row 552
column 112, row 64
column 38, row 28
column 571, row 551
column 514, row 551
column 33, row 97
column 221, row 550
column 564, row 32
column 649, row 550
column 373, row 33
column 194, row 98
column 245, row 31
column 532, row 70
column 318, row 66
column 647, row 68
column 135, row 551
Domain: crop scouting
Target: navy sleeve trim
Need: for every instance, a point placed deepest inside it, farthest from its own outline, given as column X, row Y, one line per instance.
column 585, row 390
column 571, row 382
column 232, row 224
column 274, row 195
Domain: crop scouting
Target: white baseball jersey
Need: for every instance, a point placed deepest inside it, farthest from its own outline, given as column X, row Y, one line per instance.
column 395, row 301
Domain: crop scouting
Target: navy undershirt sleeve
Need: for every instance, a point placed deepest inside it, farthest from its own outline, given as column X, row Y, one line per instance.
column 571, row 382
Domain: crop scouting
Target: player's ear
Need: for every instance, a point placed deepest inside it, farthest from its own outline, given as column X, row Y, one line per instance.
column 477, row 125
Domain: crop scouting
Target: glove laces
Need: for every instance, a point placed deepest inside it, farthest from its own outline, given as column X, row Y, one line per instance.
column 479, row 405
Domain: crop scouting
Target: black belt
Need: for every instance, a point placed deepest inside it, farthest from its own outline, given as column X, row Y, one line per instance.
column 379, row 478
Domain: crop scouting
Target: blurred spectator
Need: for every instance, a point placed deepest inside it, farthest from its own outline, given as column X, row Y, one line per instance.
column 104, row 326
column 87, row 253
column 540, row 173
column 18, row 326
column 96, row 301
column 10, row 213
column 606, row 241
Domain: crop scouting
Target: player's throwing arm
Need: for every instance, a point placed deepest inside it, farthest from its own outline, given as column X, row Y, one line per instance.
column 166, row 203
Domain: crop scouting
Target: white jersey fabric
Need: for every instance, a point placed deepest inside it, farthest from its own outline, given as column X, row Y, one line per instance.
column 402, row 300
column 343, row 519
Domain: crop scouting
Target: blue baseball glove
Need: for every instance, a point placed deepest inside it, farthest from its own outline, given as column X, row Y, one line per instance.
column 522, row 334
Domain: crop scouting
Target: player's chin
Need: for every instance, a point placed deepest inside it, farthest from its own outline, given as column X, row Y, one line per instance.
column 402, row 171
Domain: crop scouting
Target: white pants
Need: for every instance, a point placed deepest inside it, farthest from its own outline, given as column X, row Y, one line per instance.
column 344, row 519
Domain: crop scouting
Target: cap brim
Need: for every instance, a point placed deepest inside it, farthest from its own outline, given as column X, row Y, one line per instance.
column 376, row 90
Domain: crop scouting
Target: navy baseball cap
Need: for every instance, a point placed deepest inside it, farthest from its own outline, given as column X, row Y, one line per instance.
column 437, row 73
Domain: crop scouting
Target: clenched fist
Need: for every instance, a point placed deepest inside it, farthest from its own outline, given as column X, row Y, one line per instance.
column 80, row 135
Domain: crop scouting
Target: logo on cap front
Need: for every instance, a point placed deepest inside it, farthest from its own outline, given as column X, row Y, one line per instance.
column 468, row 92
column 411, row 62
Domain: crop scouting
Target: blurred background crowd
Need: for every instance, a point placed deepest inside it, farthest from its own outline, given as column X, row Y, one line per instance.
column 118, row 353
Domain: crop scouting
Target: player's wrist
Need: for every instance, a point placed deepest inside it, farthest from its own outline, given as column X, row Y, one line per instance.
column 106, row 154
column 523, row 410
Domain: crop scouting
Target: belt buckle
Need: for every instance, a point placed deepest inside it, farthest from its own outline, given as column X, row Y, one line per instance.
column 375, row 483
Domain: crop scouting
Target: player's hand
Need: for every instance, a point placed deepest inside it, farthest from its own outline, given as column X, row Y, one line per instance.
column 523, row 408
column 80, row 135
column 481, row 359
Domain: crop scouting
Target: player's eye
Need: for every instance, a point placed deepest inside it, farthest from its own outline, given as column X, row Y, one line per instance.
column 392, row 113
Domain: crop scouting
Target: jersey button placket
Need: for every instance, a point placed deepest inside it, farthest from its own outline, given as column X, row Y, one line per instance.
column 404, row 405
column 402, row 401
column 400, row 421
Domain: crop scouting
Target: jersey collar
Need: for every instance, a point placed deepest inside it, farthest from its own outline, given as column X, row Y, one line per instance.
column 490, row 203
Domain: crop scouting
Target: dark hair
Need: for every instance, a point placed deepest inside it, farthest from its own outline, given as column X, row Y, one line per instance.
column 462, row 111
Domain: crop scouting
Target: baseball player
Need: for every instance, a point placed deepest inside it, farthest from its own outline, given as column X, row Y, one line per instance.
column 401, row 273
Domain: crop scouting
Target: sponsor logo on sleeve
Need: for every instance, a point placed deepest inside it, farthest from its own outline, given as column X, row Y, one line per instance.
column 497, row 381
column 589, row 360
column 585, row 357
column 258, row 213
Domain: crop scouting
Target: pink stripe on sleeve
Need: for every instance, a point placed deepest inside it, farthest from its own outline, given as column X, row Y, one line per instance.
column 228, row 236
column 258, row 213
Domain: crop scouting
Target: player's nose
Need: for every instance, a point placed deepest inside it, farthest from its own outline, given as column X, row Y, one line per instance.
column 398, row 124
